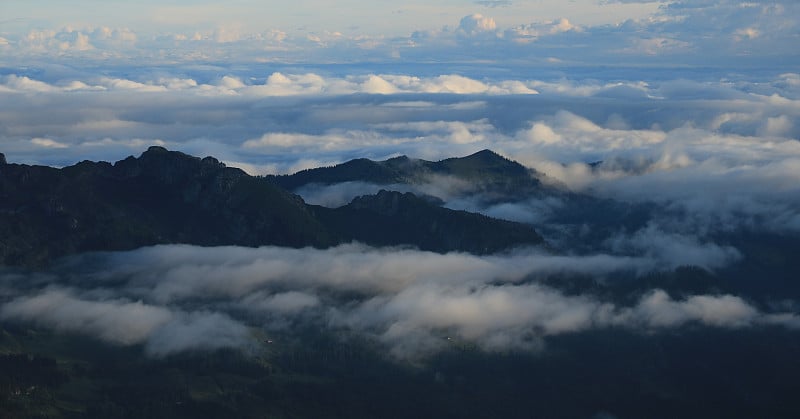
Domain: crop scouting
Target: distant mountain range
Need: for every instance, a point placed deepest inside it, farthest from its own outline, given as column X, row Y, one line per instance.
column 485, row 179
column 170, row 197
column 484, row 171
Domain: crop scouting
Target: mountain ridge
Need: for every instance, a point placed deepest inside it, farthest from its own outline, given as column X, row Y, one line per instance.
column 485, row 169
column 170, row 197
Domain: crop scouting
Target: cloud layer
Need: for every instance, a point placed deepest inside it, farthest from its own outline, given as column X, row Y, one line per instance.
column 171, row 299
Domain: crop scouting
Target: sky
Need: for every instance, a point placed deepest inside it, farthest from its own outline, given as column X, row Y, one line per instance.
column 502, row 33
column 694, row 105
column 374, row 18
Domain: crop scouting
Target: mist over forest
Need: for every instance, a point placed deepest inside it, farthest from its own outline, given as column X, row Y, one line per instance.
column 485, row 209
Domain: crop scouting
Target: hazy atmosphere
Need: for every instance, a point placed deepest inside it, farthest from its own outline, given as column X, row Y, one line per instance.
column 661, row 138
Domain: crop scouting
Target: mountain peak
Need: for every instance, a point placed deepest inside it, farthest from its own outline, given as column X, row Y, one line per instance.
column 159, row 153
column 160, row 156
column 481, row 164
column 396, row 218
column 156, row 149
column 485, row 153
column 398, row 159
column 171, row 197
column 486, row 156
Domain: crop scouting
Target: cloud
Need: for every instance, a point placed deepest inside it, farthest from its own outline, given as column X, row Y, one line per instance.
column 122, row 322
column 116, row 321
column 475, row 24
column 198, row 331
column 719, row 28
column 722, row 152
column 495, row 3
column 280, row 84
column 659, row 310
column 48, row 143
column 185, row 273
column 689, row 33
column 496, row 318
column 15, row 83
column 378, row 85
column 675, row 250
column 177, row 298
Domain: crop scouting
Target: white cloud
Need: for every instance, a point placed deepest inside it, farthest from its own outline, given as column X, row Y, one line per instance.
column 659, row 310
column 123, row 322
column 563, row 25
column 664, row 140
column 679, row 32
column 746, row 33
column 228, row 34
column 116, row 321
column 24, row 83
column 416, row 303
column 476, row 24
column 48, row 143
column 674, row 250
column 378, row 85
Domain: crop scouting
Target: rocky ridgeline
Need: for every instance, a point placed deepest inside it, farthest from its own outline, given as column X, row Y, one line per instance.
column 166, row 197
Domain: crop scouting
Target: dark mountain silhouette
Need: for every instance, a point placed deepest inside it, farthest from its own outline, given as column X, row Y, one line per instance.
column 170, row 197
column 485, row 171
column 487, row 178
column 418, row 220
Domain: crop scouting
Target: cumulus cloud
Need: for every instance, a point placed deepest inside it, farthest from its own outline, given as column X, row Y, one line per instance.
column 717, row 29
column 280, row 84
column 476, row 24
column 680, row 31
